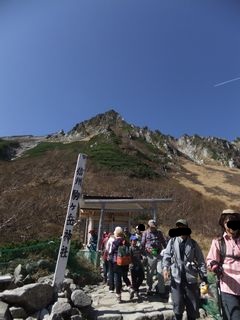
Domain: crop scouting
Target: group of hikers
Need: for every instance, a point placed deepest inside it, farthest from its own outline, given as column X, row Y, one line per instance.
column 177, row 260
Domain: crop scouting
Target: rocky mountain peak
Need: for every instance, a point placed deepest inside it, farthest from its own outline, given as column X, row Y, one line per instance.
column 101, row 123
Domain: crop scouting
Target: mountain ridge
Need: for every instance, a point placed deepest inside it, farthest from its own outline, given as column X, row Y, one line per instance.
column 197, row 148
column 201, row 174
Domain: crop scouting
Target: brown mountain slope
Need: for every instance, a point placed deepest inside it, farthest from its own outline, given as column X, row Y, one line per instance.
column 214, row 182
column 123, row 160
column 35, row 192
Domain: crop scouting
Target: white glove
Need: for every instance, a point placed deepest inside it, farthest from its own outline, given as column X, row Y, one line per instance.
column 162, row 252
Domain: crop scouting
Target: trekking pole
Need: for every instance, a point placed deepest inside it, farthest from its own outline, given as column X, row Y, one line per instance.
column 219, row 299
column 217, row 269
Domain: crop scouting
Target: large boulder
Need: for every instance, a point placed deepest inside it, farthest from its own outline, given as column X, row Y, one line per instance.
column 4, row 311
column 6, row 282
column 80, row 299
column 18, row 312
column 32, row 297
column 61, row 308
column 18, row 275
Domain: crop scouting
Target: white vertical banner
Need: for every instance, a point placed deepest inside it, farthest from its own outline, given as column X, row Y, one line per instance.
column 70, row 220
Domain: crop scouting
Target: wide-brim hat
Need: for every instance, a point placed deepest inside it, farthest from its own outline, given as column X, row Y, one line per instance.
column 228, row 214
column 229, row 211
column 182, row 222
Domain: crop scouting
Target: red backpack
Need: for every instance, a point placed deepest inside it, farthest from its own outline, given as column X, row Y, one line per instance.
column 123, row 255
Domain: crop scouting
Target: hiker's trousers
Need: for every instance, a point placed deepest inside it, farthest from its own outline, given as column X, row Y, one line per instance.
column 111, row 275
column 137, row 277
column 120, row 272
column 231, row 305
column 185, row 295
column 151, row 268
column 105, row 269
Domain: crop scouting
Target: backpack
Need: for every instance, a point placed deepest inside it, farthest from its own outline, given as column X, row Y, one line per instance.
column 223, row 255
column 222, row 246
column 193, row 246
column 123, row 256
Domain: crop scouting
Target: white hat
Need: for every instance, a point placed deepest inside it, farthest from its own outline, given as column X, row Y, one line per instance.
column 152, row 223
column 229, row 211
column 118, row 231
column 182, row 221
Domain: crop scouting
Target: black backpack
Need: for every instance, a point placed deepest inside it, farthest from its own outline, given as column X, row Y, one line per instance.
column 223, row 255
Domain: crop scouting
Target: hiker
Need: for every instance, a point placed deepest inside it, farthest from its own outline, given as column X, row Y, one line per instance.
column 103, row 240
column 127, row 233
column 110, row 262
column 224, row 260
column 136, row 266
column 120, row 271
column 152, row 244
column 92, row 246
column 184, row 261
column 105, row 261
column 138, row 233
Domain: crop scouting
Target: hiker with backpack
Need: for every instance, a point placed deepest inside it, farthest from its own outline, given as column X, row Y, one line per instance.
column 139, row 229
column 127, row 234
column 104, row 251
column 152, row 243
column 136, row 266
column 224, row 260
column 121, row 261
column 183, row 262
column 109, row 254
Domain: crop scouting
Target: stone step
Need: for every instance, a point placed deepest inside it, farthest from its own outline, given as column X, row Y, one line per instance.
column 5, row 278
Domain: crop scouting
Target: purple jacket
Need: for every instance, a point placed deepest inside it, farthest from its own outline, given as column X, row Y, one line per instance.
column 153, row 239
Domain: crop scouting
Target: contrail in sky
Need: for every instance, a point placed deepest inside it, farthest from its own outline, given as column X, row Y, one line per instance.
column 222, row 83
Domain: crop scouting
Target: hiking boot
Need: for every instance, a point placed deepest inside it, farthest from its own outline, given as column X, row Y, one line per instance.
column 149, row 292
column 156, row 289
column 178, row 316
column 163, row 296
column 170, row 299
column 131, row 293
column 118, row 297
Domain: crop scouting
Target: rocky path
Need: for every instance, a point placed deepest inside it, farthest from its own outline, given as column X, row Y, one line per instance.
column 38, row 301
column 105, row 306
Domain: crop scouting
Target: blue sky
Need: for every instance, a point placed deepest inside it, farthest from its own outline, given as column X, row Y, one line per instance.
column 156, row 62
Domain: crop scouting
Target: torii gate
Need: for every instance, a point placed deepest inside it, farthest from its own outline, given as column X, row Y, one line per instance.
column 74, row 200
column 104, row 203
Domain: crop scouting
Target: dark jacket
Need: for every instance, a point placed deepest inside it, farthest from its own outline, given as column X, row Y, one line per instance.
column 136, row 255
